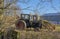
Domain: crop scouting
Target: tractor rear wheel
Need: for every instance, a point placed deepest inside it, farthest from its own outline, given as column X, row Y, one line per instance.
column 21, row 25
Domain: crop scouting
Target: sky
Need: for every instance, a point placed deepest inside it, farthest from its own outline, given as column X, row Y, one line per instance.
column 41, row 7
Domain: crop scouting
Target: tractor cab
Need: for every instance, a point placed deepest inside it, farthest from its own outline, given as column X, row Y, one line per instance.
column 29, row 17
column 25, row 16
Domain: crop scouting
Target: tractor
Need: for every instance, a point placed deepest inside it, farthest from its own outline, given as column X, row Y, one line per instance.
column 28, row 21
column 32, row 21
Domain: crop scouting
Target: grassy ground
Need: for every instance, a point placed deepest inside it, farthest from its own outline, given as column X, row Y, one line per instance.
column 57, row 28
column 42, row 34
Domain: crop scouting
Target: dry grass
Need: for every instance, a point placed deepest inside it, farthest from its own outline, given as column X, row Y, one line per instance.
column 42, row 34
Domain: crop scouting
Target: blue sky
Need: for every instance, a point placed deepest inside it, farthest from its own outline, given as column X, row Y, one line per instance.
column 43, row 8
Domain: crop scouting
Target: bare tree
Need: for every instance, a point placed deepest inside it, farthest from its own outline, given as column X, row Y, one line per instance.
column 6, row 6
